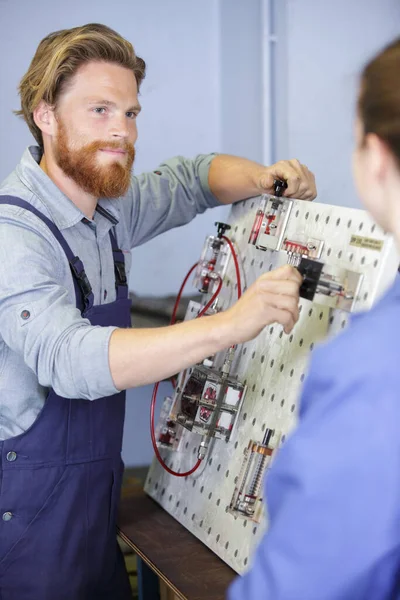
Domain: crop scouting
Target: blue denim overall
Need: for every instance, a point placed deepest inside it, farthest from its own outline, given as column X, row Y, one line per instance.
column 60, row 481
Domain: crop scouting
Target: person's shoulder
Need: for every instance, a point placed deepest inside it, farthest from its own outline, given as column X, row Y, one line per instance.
column 13, row 185
column 356, row 366
column 370, row 344
column 32, row 231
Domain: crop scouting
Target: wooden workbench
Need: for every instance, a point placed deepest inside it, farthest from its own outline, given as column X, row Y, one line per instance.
column 181, row 561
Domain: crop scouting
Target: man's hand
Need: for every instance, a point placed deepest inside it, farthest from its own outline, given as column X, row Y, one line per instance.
column 141, row 356
column 273, row 298
column 300, row 181
column 232, row 179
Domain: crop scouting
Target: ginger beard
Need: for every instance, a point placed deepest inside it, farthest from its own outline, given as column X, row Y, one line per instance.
column 82, row 165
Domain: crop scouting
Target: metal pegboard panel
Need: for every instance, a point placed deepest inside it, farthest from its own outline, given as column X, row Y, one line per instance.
column 273, row 366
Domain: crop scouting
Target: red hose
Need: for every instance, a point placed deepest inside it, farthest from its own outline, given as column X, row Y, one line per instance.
column 178, row 298
column 155, row 389
column 153, row 439
column 213, row 299
column 176, row 306
column 173, row 319
column 235, row 260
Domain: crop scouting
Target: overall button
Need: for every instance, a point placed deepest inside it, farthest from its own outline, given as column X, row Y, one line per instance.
column 11, row 456
column 7, row 516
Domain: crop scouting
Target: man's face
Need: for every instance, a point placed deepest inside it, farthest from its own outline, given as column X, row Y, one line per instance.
column 96, row 129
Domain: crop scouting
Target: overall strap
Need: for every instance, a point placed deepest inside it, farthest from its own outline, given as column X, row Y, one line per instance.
column 83, row 289
column 121, row 282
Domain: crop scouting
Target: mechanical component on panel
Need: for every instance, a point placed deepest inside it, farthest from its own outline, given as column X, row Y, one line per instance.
column 247, row 497
column 222, row 228
column 274, row 224
column 197, row 401
column 168, row 432
column 213, row 260
column 258, row 221
column 329, row 286
column 311, row 271
column 270, row 223
column 221, row 397
column 264, row 221
column 302, row 248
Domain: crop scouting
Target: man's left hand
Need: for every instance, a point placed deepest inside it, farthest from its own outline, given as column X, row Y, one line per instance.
column 300, row 181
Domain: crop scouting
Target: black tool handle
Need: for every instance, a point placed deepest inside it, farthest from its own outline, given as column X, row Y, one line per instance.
column 279, row 187
column 222, row 228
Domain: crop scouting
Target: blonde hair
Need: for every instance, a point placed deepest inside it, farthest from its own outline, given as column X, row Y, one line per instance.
column 58, row 57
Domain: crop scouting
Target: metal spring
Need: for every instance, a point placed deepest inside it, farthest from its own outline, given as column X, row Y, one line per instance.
column 257, row 477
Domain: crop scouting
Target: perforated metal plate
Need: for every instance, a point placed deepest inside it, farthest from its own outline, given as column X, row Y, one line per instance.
column 273, row 366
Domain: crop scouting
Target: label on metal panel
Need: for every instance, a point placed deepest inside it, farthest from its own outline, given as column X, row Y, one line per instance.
column 365, row 242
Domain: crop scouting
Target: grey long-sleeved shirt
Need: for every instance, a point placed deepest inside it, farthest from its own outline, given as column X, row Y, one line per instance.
column 55, row 347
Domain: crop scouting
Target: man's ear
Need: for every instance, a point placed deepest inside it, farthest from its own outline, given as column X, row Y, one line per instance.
column 45, row 119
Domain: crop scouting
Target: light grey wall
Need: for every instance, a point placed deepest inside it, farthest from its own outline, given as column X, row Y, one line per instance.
column 327, row 44
column 241, row 78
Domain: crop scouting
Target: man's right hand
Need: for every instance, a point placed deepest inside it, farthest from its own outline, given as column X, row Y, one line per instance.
column 142, row 356
column 272, row 298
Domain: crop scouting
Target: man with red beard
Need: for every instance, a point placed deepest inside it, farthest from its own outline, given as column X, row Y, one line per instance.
column 69, row 215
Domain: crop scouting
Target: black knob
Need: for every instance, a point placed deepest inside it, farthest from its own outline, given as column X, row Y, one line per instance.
column 279, row 187
column 221, row 228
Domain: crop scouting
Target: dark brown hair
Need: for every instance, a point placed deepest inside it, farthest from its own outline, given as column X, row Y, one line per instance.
column 379, row 101
column 58, row 57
